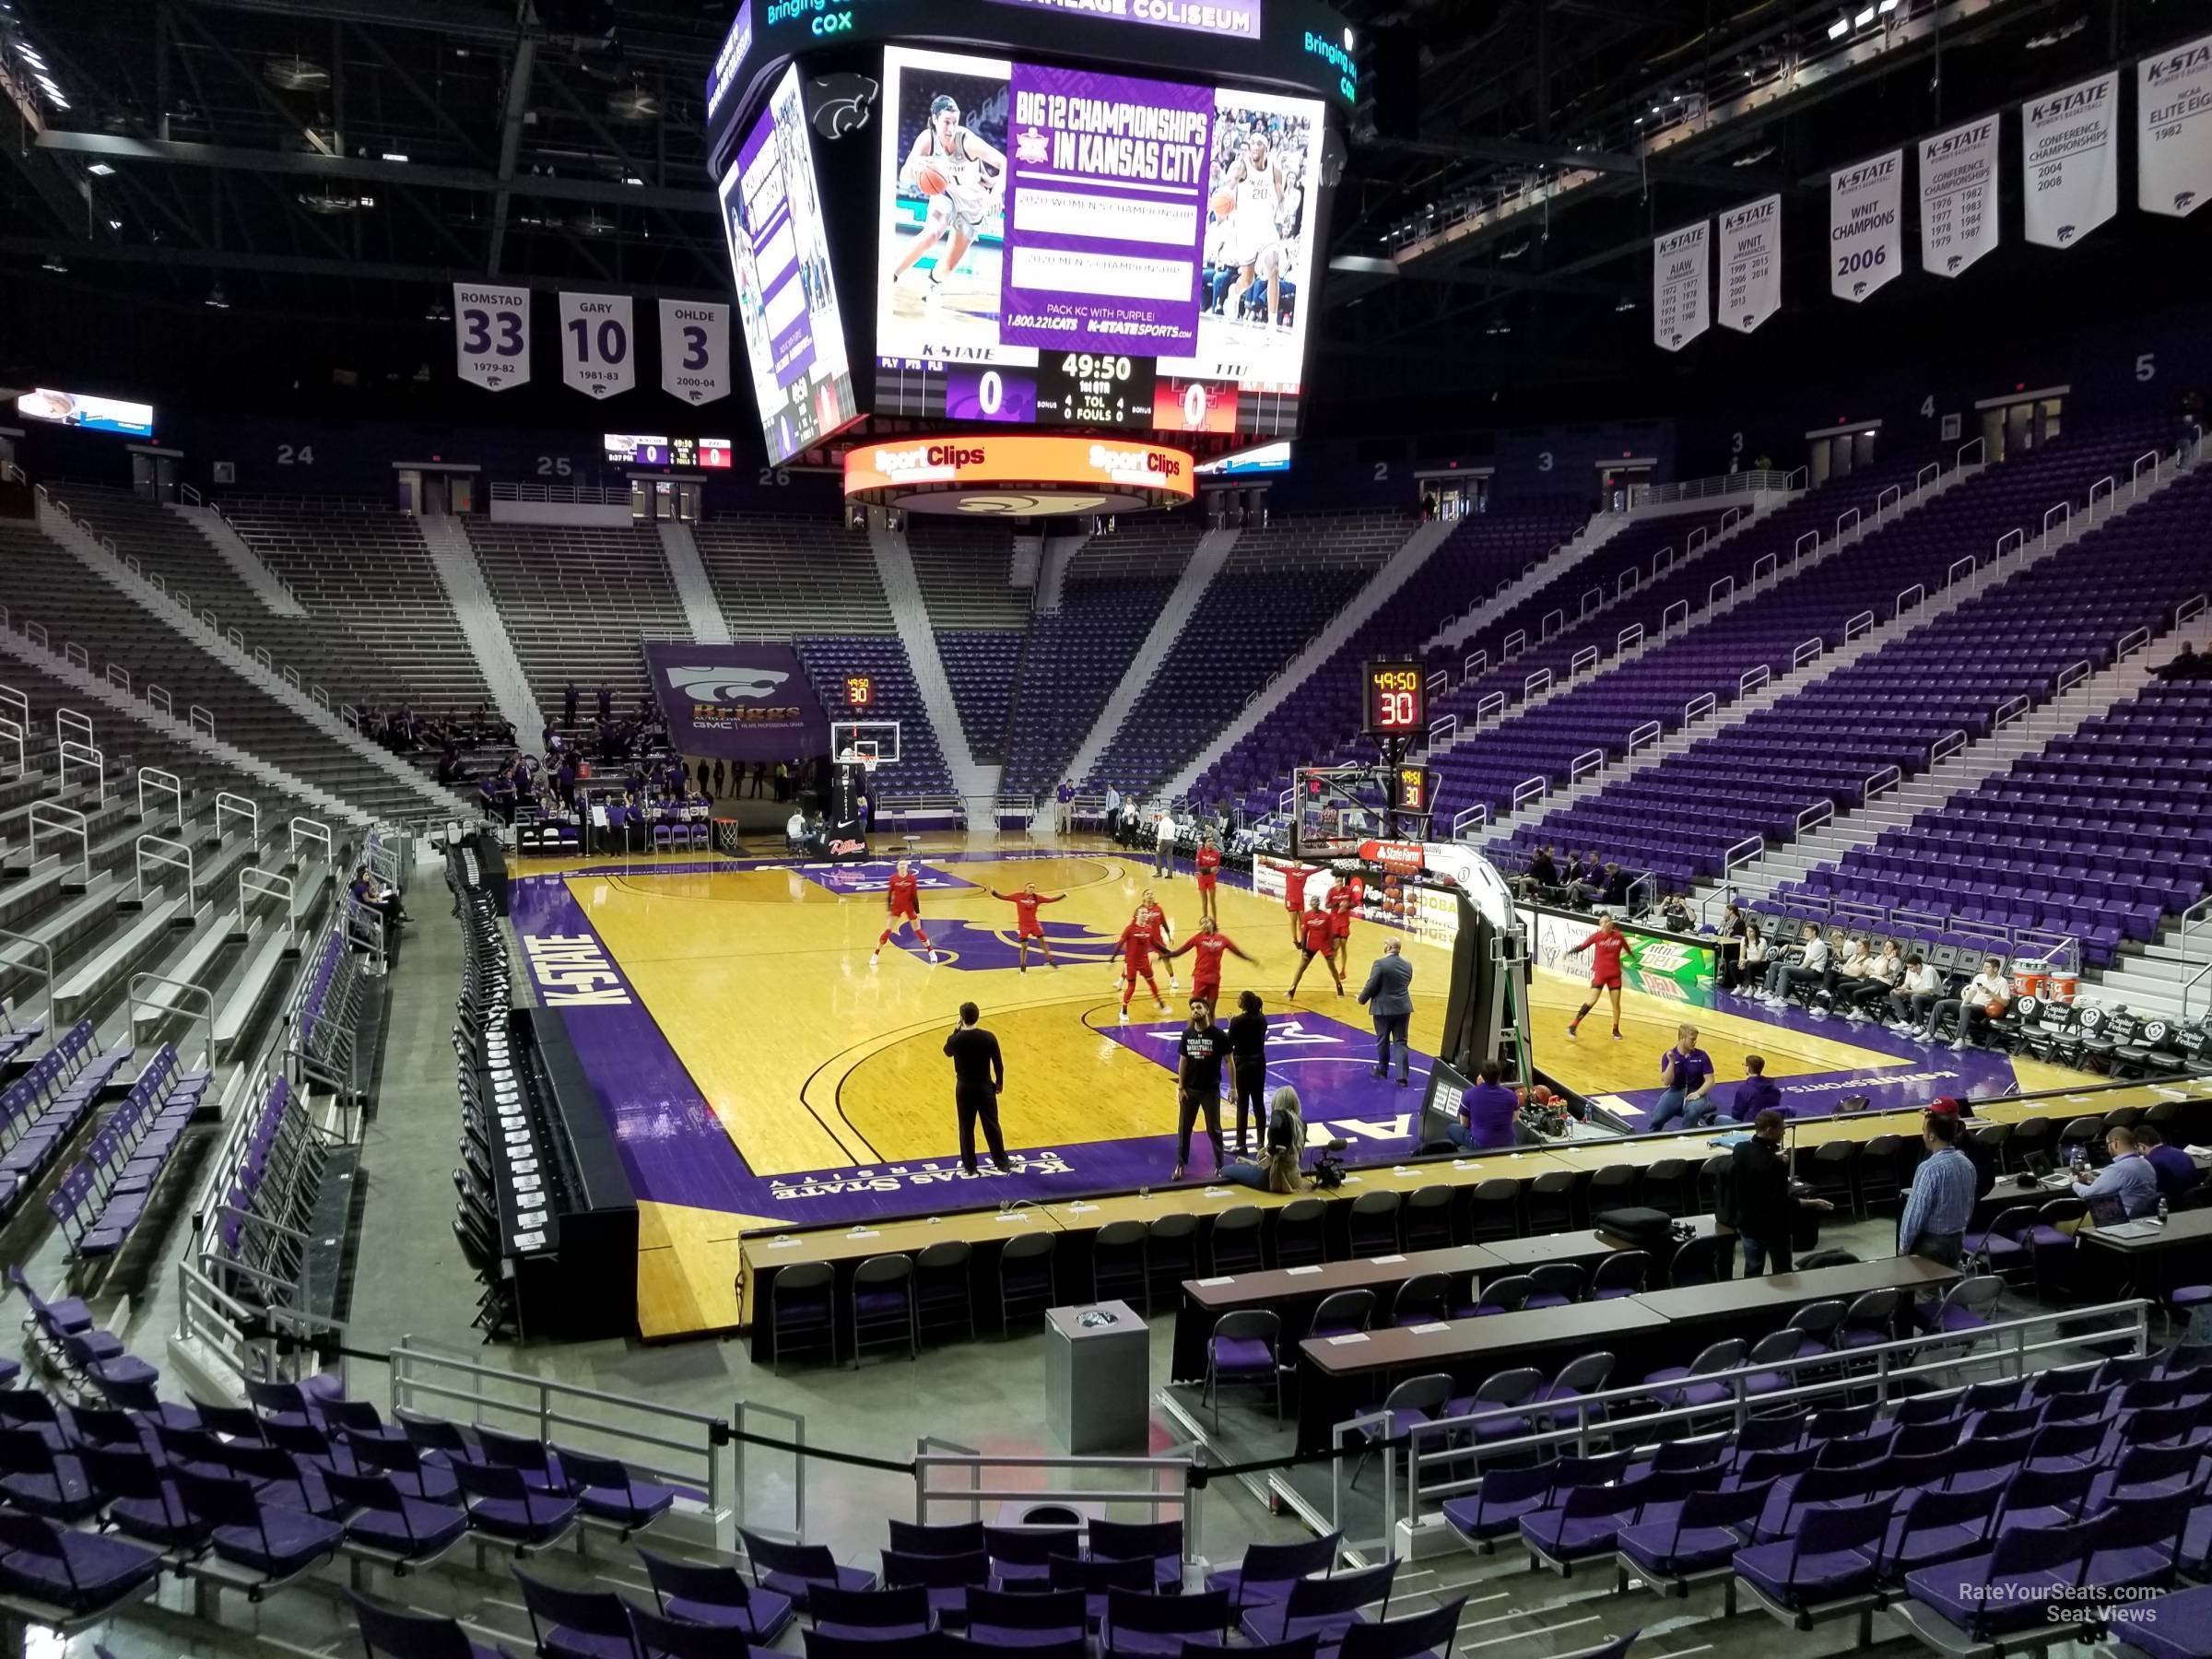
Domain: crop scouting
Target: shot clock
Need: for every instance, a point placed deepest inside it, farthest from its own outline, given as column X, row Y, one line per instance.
column 1413, row 789
column 860, row 691
column 1395, row 704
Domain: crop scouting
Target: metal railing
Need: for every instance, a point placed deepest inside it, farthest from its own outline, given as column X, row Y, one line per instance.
column 316, row 832
column 255, row 882
column 660, row 1442
column 1167, row 1485
column 238, row 806
column 11, row 732
column 1437, row 1454
column 1468, row 817
column 195, row 1002
column 65, row 823
column 159, row 849
column 14, row 960
column 571, row 495
column 83, row 758
column 1750, row 481
column 160, row 782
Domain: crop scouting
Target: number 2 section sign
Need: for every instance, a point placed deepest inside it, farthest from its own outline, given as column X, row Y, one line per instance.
column 598, row 344
column 491, row 335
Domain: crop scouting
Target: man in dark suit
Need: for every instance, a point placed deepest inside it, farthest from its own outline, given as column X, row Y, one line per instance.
column 978, row 1074
column 1388, row 995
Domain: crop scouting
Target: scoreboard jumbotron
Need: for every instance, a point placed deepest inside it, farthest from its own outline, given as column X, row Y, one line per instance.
column 1010, row 216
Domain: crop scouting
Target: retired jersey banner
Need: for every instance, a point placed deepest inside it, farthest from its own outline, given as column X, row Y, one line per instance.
column 695, row 351
column 2173, row 129
column 1959, row 196
column 736, row 702
column 1751, row 263
column 2069, row 163
column 491, row 335
column 1681, row 286
column 1863, row 211
column 598, row 346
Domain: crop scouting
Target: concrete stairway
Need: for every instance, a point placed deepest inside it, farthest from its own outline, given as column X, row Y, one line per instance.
column 455, row 558
column 702, row 610
column 246, row 564
column 909, row 615
column 1207, row 559
column 1391, row 575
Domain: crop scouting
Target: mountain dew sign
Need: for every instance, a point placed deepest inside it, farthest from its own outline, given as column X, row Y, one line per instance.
column 1669, row 967
column 1663, row 965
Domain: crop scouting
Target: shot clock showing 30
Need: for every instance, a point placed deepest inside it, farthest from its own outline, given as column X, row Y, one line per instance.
column 1397, row 704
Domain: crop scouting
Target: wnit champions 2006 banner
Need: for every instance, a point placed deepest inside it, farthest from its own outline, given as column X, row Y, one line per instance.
column 737, row 703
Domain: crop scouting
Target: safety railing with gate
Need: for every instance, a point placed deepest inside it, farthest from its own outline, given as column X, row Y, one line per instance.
column 978, row 1484
column 1432, row 1461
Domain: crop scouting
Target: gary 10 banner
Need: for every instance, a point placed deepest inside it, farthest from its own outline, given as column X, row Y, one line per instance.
column 736, row 702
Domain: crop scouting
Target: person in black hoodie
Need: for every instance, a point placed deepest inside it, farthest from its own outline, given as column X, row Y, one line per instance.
column 1756, row 1198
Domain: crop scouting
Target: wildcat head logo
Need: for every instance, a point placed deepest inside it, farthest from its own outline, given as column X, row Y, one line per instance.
column 1953, row 263
column 1857, row 288
column 2065, row 233
column 726, row 684
column 2181, row 198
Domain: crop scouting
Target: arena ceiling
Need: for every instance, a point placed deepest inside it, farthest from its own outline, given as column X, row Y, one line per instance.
column 327, row 167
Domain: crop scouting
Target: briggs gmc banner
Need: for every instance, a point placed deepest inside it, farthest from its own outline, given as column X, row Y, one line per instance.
column 736, row 702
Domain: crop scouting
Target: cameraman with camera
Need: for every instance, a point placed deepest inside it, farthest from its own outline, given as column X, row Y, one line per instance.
column 1276, row 1170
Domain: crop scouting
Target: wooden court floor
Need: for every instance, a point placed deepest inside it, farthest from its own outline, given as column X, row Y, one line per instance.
column 810, row 1060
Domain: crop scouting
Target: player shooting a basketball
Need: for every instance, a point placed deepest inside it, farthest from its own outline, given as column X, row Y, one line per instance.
column 960, row 175
column 1254, row 182
column 903, row 896
column 1025, row 924
column 1135, row 949
column 1154, row 920
column 1608, row 948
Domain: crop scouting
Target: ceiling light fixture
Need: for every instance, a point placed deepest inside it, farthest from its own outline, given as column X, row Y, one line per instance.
column 99, row 169
column 1839, row 29
column 217, row 298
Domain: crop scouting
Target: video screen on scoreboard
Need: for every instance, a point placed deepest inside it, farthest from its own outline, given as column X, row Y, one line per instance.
column 83, row 409
column 794, row 337
column 1073, row 247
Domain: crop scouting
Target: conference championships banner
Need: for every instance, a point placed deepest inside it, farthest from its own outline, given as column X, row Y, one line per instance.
column 736, row 702
column 1681, row 286
column 1751, row 263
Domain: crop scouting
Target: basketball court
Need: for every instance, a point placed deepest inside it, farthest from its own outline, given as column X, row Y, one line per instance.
column 759, row 1073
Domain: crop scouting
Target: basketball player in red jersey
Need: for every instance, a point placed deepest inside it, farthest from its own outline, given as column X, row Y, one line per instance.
column 1208, row 943
column 905, row 900
column 1135, row 949
column 1156, row 930
column 1608, row 948
column 1025, row 926
column 1313, row 941
column 1294, row 893
column 1343, row 904
column 1208, row 860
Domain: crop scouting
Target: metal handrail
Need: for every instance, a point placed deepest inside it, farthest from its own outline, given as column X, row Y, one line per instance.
column 180, row 990
column 1678, row 612
column 11, row 731
column 161, row 850
column 62, row 821
column 1978, row 446
column 82, row 757
column 160, row 782
column 238, row 806
column 1601, row 1413
column 46, row 951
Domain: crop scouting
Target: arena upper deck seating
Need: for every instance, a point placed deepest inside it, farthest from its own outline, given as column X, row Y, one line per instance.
column 782, row 576
column 48, row 586
column 1825, row 743
column 576, row 601
column 1109, row 597
column 964, row 570
column 1278, row 587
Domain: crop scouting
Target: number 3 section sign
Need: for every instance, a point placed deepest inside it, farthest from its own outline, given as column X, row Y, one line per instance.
column 491, row 335
column 597, row 344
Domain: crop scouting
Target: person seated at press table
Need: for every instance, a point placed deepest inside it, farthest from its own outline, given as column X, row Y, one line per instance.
column 1673, row 915
column 2177, row 1171
column 1756, row 1093
column 1542, row 875
column 2124, row 1190
column 1489, row 1112
column 1729, row 945
column 1686, row 1070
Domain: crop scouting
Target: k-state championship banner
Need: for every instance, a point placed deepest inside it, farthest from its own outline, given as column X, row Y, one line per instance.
column 695, row 351
column 736, row 702
column 2070, row 165
column 1751, row 263
column 491, row 335
column 598, row 345
column 1959, row 196
column 1681, row 286
column 1863, row 212
column 2173, row 129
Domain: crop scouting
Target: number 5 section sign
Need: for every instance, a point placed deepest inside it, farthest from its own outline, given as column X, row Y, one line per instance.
column 597, row 354
column 491, row 335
